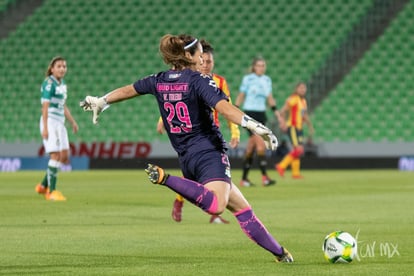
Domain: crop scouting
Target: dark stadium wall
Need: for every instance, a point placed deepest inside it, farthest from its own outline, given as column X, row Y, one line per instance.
column 311, row 162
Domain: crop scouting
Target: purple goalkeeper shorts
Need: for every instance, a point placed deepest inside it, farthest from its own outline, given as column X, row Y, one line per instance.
column 206, row 166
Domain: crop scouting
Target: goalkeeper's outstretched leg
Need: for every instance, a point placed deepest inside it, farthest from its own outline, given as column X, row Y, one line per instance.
column 211, row 196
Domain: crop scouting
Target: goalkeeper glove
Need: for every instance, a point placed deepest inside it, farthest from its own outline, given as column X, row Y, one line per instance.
column 268, row 137
column 94, row 104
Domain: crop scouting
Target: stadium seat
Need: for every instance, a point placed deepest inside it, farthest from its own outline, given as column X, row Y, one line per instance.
column 108, row 45
column 383, row 87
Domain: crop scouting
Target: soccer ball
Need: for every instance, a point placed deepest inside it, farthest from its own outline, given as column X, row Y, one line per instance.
column 339, row 247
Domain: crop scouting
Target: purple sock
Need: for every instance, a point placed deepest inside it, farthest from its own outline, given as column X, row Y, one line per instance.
column 193, row 192
column 257, row 232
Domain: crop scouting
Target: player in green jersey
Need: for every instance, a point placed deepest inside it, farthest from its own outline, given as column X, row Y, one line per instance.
column 52, row 126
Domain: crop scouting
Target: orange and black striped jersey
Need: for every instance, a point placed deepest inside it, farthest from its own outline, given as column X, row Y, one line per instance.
column 297, row 109
column 222, row 84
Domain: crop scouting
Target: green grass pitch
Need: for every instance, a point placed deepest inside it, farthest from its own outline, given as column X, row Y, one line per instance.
column 117, row 223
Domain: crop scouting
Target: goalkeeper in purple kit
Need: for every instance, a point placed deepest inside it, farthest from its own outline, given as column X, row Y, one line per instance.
column 185, row 98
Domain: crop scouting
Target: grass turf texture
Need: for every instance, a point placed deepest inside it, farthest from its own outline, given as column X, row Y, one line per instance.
column 117, row 223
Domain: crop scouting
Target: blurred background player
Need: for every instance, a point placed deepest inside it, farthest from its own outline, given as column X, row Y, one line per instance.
column 52, row 126
column 207, row 68
column 255, row 91
column 295, row 108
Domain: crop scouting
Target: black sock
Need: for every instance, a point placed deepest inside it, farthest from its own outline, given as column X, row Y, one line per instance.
column 247, row 163
column 262, row 164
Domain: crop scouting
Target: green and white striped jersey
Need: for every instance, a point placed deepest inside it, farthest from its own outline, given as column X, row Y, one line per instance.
column 55, row 93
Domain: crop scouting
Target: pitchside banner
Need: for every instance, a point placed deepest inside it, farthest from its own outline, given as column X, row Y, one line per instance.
column 12, row 164
column 31, row 156
column 103, row 150
column 406, row 163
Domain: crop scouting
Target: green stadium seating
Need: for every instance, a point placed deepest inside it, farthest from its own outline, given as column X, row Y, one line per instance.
column 112, row 43
column 379, row 88
column 6, row 4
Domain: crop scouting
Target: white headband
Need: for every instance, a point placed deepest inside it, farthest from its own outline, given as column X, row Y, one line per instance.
column 191, row 44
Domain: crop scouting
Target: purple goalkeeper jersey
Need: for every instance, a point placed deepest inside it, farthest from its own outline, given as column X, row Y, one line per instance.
column 185, row 99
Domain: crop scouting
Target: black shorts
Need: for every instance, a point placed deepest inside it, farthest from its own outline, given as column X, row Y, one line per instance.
column 259, row 116
column 295, row 136
column 206, row 166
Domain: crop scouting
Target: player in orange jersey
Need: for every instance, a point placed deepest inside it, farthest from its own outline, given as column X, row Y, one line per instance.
column 296, row 108
column 207, row 69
